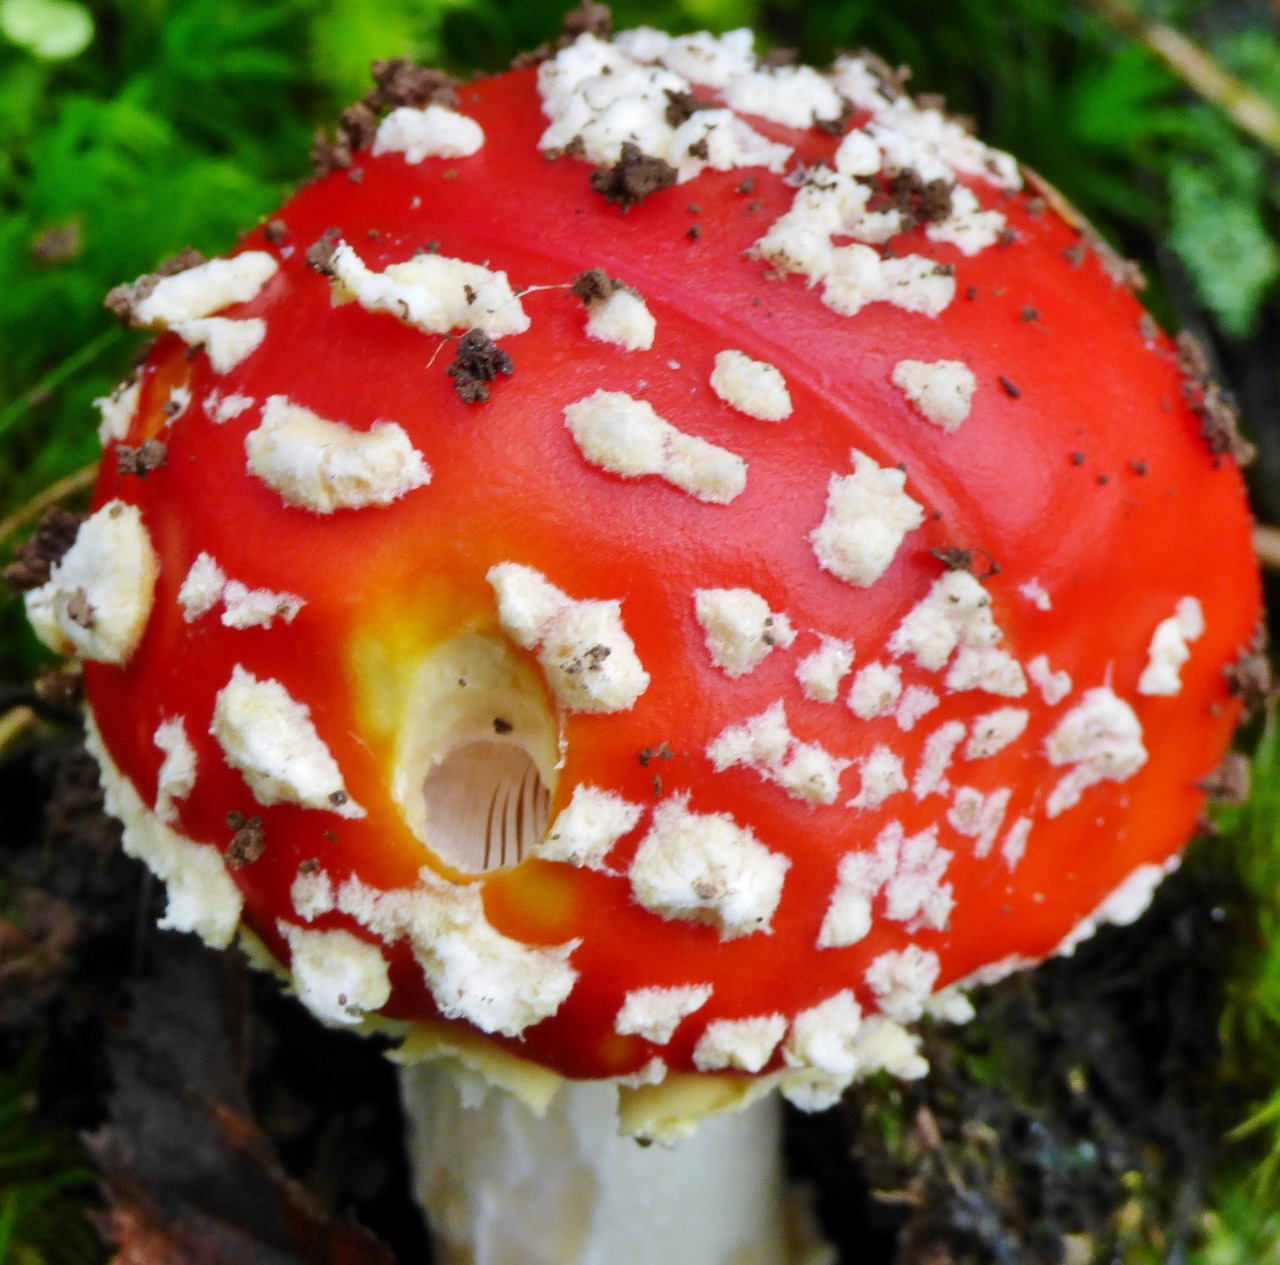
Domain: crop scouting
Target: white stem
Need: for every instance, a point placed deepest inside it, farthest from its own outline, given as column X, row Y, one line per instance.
column 502, row 1186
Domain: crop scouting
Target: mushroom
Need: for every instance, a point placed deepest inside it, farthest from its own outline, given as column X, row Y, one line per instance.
column 653, row 574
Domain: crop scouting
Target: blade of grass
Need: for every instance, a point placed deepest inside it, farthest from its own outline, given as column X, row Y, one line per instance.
column 1198, row 69
column 72, row 365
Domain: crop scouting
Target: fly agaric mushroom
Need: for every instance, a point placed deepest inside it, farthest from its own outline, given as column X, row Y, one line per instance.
column 650, row 575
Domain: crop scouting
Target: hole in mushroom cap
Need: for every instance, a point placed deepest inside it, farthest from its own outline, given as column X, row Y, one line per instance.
column 477, row 750
column 486, row 805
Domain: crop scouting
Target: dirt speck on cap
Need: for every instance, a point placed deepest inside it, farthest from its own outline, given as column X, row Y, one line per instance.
column 123, row 299
column 151, row 454
column 633, row 177
column 35, row 560
column 478, row 362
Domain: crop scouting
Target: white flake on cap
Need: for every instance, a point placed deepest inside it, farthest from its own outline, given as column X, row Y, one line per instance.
column 855, row 80
column 599, row 97
column 825, row 1036
column 117, row 411
column 1101, row 738
column 323, row 466
column 956, row 614
column 882, row 776
column 821, row 671
column 794, row 96
column 886, row 1046
column 858, row 276
column 227, row 342
column 433, row 132
column 995, row 731
column 1053, row 686
column 968, row 228
column 876, row 690
column 205, row 289
column 99, row 594
column 704, row 867
column 941, row 389
column 917, row 702
column 226, row 408
column 268, row 735
column 1036, row 594
column 903, row 981
column 474, row 972
column 312, row 893
column 868, row 516
column 745, row 1045
column 712, row 60
column 337, row 976
column 1170, row 649
column 656, row 1013
column 753, row 387
column 202, row 897
column 177, row 776
column 979, row 816
column 858, row 155
column 939, row 750
column 830, row 205
column 936, row 147
column 244, row 607
column 587, row 828
column 178, row 403
column 765, row 744
column 739, row 627
column 433, row 293
column 622, row 319
column 1015, row 842
column 908, row 870
column 719, row 140
column 590, row 661
column 626, row 437
column 1123, row 907
column 202, row 587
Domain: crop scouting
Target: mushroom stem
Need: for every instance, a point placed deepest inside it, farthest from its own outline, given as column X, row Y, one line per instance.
column 502, row 1185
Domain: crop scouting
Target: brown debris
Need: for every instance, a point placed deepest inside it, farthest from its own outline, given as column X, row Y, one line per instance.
column 275, row 231
column 893, row 79
column 479, row 361
column 661, row 752
column 61, row 689
column 403, row 82
column 595, row 284
column 779, row 56
column 919, row 201
column 1011, row 389
column 58, row 244
column 633, row 177
column 1249, row 678
column 123, row 299
column 151, row 454
column 682, row 106
column 1193, row 359
column 588, row 19
column 1074, row 255
column 1229, row 782
column 319, row 255
column 1218, row 413
column 359, row 125
column 248, row 843
column 36, row 558
column 955, row 558
column 836, row 126
column 80, row 610
column 501, row 725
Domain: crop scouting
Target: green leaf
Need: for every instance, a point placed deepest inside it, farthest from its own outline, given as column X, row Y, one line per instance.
column 1218, row 232
column 52, row 30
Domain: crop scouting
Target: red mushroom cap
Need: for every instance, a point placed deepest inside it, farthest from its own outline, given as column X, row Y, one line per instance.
column 805, row 591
